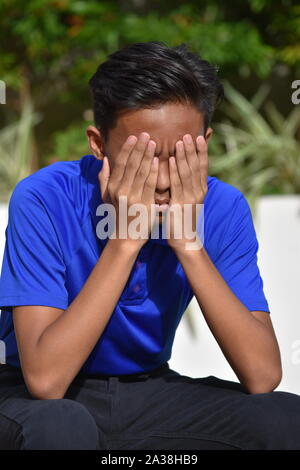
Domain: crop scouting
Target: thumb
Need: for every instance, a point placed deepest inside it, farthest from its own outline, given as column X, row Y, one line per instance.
column 103, row 177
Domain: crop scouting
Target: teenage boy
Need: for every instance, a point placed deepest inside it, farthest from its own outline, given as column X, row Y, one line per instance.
column 89, row 322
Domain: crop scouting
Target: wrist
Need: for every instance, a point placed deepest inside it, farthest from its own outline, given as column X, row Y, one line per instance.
column 187, row 246
column 128, row 246
column 188, row 249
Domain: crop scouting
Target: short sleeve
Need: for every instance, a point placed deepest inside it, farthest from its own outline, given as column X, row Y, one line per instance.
column 237, row 259
column 33, row 268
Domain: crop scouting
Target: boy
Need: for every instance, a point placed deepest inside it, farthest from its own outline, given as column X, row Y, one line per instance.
column 88, row 322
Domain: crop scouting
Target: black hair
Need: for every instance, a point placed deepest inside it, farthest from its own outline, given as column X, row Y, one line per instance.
column 149, row 74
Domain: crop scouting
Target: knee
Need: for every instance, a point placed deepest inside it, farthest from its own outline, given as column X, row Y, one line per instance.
column 59, row 424
column 276, row 420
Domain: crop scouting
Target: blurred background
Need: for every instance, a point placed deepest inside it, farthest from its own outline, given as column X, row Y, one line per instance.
column 50, row 49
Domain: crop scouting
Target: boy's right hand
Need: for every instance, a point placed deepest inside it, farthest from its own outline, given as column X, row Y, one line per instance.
column 134, row 175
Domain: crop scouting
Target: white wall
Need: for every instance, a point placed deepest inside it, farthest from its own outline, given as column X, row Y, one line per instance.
column 277, row 225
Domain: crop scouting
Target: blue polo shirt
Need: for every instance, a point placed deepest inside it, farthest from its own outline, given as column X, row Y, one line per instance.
column 51, row 248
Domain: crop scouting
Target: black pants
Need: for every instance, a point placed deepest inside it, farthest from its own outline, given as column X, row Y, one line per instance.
column 158, row 410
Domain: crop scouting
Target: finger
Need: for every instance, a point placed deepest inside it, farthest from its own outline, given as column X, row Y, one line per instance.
column 103, row 177
column 183, row 168
column 144, row 169
column 191, row 153
column 151, row 181
column 204, row 163
column 134, row 160
column 121, row 160
column 175, row 181
column 193, row 162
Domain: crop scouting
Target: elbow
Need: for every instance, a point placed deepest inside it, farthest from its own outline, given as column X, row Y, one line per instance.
column 41, row 389
column 264, row 383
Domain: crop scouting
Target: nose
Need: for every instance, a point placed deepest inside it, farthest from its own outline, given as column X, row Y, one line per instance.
column 163, row 179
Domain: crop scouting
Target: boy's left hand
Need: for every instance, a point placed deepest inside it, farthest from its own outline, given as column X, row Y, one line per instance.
column 188, row 183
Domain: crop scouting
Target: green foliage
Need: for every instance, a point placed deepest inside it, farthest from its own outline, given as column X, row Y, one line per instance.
column 227, row 44
column 70, row 144
column 62, row 41
column 256, row 151
column 15, row 150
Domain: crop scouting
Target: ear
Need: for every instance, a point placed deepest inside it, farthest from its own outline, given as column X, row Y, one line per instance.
column 208, row 134
column 96, row 142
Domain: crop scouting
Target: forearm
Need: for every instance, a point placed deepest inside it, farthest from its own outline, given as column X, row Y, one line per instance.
column 248, row 345
column 66, row 344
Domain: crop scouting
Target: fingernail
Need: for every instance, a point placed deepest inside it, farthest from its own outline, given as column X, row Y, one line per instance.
column 132, row 139
column 155, row 161
column 151, row 143
column 144, row 136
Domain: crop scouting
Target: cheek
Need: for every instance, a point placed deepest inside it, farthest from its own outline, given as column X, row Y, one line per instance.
column 112, row 152
column 111, row 159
